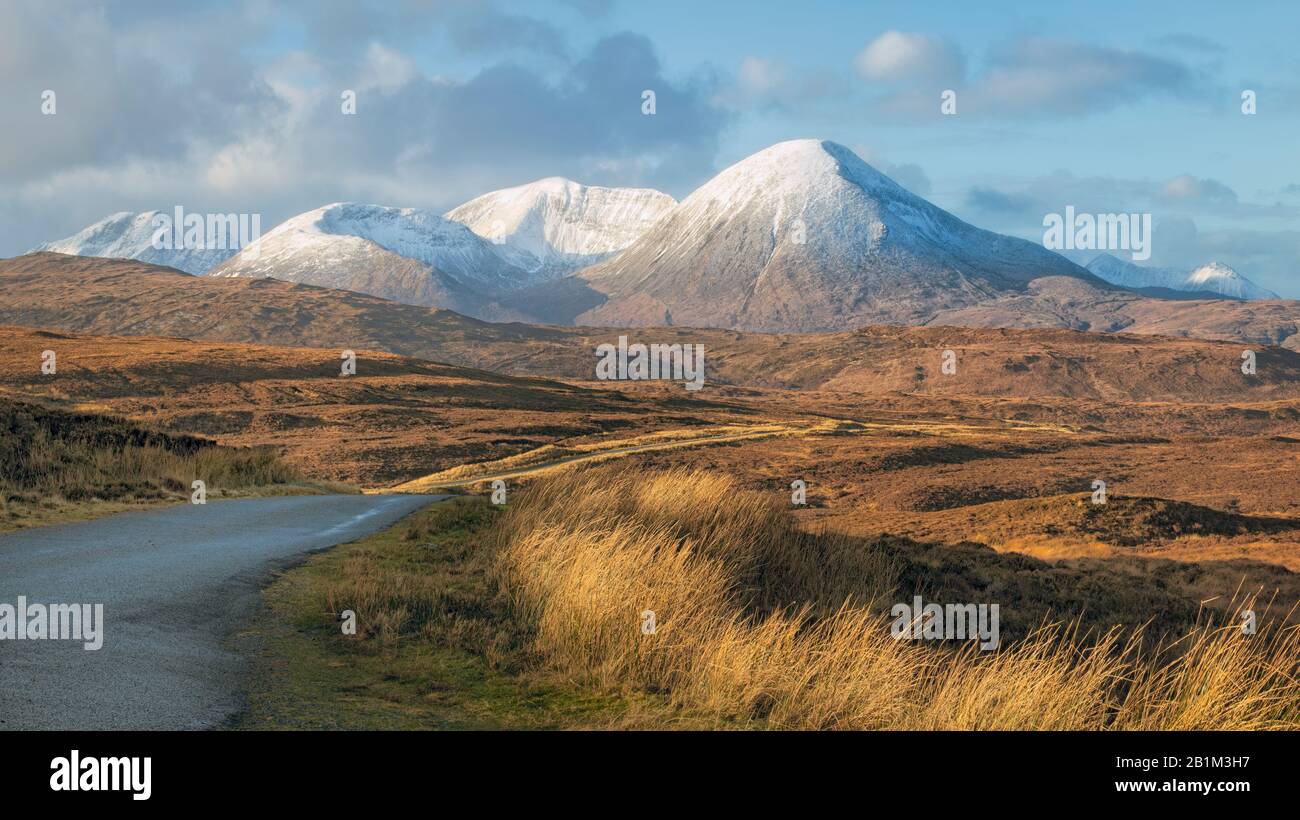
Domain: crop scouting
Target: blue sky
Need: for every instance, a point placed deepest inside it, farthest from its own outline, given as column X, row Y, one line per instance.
column 233, row 106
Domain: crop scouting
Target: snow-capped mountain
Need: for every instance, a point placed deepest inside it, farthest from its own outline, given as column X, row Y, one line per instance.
column 805, row 236
column 555, row 226
column 405, row 254
column 802, row 236
column 1214, row 278
column 129, row 235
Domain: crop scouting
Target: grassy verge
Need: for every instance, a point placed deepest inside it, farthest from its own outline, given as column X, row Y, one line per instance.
column 761, row 623
column 470, row 616
column 435, row 648
column 60, row 466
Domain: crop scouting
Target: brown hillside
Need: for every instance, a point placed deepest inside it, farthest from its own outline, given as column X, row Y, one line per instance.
column 114, row 297
column 396, row 419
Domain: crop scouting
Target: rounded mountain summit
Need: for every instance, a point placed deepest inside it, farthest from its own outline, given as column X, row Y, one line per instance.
column 806, row 236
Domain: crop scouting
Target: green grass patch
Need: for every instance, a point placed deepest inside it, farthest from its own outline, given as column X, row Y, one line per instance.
column 435, row 646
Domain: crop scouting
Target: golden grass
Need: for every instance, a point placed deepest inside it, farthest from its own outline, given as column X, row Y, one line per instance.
column 761, row 624
column 552, row 456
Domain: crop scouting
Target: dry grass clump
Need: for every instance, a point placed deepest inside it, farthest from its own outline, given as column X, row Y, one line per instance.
column 1219, row 679
column 47, row 456
column 760, row 623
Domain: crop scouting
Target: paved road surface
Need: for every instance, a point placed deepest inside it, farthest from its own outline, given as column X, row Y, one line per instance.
column 175, row 583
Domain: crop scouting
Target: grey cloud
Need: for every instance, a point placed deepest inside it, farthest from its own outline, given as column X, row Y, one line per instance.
column 992, row 201
column 591, row 8
column 1265, row 256
column 1187, row 189
column 911, row 176
column 507, row 125
column 1040, row 77
column 1184, row 194
column 486, row 30
column 340, row 33
column 113, row 103
column 218, row 130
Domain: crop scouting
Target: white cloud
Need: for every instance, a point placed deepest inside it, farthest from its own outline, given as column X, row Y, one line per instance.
column 190, row 120
column 385, row 69
column 758, row 76
column 761, row 82
column 897, row 56
column 1189, row 189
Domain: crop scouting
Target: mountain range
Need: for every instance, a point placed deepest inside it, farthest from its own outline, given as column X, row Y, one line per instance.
column 1214, row 278
column 803, row 236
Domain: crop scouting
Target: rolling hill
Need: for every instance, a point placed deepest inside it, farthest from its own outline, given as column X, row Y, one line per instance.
column 114, row 297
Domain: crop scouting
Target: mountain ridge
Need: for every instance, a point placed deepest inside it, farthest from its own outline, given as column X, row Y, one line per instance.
column 405, row 254
column 556, row 226
column 1213, row 278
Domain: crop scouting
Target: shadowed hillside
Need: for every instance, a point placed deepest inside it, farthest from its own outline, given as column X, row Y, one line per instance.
column 55, row 463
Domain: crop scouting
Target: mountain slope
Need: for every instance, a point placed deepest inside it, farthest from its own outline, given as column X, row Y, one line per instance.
column 128, row 235
column 556, row 226
column 1215, row 278
column 805, row 236
column 404, row 254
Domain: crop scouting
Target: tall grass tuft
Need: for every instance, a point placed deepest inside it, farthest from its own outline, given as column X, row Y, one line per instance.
column 759, row 623
column 47, row 456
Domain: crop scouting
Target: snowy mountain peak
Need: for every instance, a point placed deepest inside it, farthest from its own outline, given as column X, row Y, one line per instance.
column 557, row 184
column 805, row 235
column 411, row 232
column 1214, row 277
column 129, row 235
column 800, row 165
column 407, row 254
column 810, row 189
column 555, row 226
column 1211, row 272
